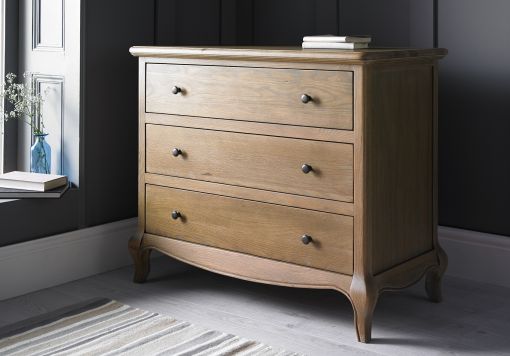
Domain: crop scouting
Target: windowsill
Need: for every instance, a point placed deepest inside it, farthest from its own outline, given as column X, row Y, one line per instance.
column 8, row 195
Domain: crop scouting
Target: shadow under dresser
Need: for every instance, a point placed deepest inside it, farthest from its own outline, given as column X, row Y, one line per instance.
column 301, row 168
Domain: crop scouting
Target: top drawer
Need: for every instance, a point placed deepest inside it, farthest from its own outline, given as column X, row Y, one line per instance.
column 252, row 94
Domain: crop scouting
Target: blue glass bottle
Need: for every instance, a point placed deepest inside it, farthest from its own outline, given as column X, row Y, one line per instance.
column 40, row 158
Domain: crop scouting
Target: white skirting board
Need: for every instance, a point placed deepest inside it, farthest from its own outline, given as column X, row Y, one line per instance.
column 476, row 255
column 43, row 263
column 46, row 262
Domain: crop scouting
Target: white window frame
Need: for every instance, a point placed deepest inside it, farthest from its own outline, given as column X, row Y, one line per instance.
column 2, row 76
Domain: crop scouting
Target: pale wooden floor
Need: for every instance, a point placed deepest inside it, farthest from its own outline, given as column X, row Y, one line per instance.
column 473, row 319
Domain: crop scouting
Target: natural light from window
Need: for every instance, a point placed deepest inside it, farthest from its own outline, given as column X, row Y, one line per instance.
column 2, row 72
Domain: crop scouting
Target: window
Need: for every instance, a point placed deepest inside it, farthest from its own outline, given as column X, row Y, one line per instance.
column 2, row 75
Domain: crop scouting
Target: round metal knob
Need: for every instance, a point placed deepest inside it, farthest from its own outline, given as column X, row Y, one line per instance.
column 176, row 215
column 306, row 239
column 306, row 168
column 176, row 90
column 305, row 98
column 176, row 152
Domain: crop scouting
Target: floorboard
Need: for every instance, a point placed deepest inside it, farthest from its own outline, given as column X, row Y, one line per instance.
column 473, row 319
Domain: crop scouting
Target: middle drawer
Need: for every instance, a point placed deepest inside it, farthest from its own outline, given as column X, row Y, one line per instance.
column 255, row 161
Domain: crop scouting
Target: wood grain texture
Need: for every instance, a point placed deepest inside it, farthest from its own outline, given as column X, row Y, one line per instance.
column 141, row 259
column 248, row 267
column 259, row 128
column 226, row 62
column 399, row 175
column 433, row 282
column 256, row 161
column 254, row 228
column 141, row 145
column 298, row 201
column 362, row 291
column 407, row 273
column 252, row 94
column 288, row 54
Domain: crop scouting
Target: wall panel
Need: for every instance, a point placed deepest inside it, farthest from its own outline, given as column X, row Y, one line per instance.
column 474, row 115
column 236, row 22
column 189, row 22
column 421, row 23
column 110, row 129
column 387, row 21
column 284, row 22
column 48, row 24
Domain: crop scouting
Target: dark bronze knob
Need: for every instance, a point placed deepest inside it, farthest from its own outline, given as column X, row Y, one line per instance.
column 305, row 98
column 306, row 239
column 176, row 152
column 176, row 90
column 176, row 215
column 306, row 168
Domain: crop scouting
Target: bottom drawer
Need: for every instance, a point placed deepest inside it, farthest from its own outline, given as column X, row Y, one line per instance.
column 256, row 228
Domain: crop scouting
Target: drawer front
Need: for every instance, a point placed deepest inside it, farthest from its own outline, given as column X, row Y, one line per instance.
column 252, row 94
column 263, row 162
column 255, row 228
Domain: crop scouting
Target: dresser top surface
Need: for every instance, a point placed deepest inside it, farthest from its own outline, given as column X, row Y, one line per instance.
column 287, row 53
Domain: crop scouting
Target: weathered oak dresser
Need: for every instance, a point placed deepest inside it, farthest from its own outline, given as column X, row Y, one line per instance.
column 301, row 168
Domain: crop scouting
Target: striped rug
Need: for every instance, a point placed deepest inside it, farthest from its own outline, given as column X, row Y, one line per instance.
column 107, row 327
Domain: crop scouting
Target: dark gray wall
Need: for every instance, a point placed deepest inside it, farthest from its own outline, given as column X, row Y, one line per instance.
column 11, row 66
column 474, row 84
column 421, row 23
column 110, row 120
column 386, row 21
column 474, row 113
column 30, row 219
column 191, row 22
column 281, row 22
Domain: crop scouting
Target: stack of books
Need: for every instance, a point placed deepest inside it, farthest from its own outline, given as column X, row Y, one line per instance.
column 336, row 42
column 15, row 185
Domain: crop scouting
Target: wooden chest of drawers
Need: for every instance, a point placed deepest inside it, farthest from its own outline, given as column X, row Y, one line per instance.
column 312, row 169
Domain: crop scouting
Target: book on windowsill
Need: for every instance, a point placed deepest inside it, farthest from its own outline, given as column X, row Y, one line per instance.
column 9, row 193
column 333, row 45
column 31, row 181
column 338, row 39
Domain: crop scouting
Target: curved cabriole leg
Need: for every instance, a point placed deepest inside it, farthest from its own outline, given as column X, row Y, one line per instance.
column 141, row 260
column 434, row 278
column 364, row 298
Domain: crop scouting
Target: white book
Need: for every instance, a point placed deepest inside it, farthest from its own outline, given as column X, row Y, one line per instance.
column 31, row 181
column 338, row 39
column 327, row 45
